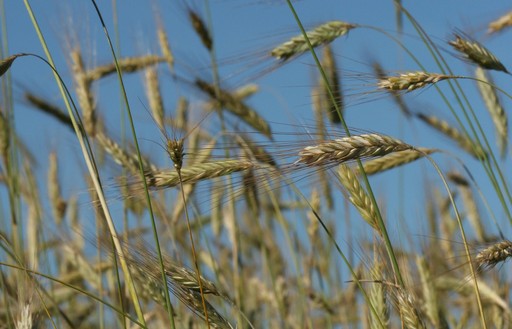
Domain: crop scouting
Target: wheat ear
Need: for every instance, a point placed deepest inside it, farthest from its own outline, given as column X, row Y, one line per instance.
column 394, row 160
column 163, row 41
column 358, row 196
column 321, row 35
column 331, row 70
column 195, row 173
column 501, row 23
column 235, row 106
column 154, row 95
column 493, row 255
column 496, row 110
column 84, row 93
column 477, row 53
column 181, row 281
column 410, row 314
column 397, row 97
column 201, row 29
column 411, row 80
column 444, row 127
column 126, row 65
column 341, row 150
column 128, row 160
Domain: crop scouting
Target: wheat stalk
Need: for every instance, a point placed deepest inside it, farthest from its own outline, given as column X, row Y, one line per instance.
column 411, row 80
column 501, row 23
column 341, row 150
column 496, row 110
column 320, row 35
column 477, row 53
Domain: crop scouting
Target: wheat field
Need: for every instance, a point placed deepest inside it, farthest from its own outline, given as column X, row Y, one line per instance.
column 254, row 164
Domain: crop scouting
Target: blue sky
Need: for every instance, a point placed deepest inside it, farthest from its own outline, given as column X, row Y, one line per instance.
column 251, row 28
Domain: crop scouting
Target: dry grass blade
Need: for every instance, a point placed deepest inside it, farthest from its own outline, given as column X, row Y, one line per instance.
column 444, row 127
column 500, row 24
column 394, row 160
column 321, row 35
column 126, row 65
column 496, row 110
column 345, row 149
column 477, row 53
column 411, row 80
column 493, row 255
column 235, row 106
column 195, row 173
column 358, row 196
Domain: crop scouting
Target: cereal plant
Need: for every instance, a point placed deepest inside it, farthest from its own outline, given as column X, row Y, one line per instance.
column 254, row 164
